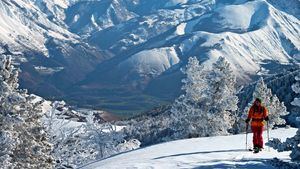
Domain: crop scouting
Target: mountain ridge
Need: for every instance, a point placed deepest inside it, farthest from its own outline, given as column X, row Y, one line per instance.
column 105, row 54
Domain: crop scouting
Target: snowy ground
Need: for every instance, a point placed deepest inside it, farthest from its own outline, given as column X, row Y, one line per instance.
column 209, row 152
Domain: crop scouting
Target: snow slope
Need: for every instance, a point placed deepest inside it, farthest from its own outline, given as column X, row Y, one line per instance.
column 86, row 17
column 236, row 18
column 23, row 26
column 208, row 152
column 175, row 2
column 151, row 62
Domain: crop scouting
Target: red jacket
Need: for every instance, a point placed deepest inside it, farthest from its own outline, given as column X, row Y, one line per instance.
column 257, row 115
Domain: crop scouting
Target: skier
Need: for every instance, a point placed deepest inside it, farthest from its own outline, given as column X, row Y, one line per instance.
column 257, row 113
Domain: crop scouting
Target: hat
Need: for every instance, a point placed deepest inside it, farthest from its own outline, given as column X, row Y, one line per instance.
column 258, row 99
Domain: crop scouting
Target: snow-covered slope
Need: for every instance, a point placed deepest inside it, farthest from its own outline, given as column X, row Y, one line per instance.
column 85, row 17
column 208, row 152
column 54, row 9
column 24, row 27
column 150, row 62
column 34, row 33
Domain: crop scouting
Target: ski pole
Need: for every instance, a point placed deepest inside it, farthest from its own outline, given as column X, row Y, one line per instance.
column 247, row 136
column 268, row 134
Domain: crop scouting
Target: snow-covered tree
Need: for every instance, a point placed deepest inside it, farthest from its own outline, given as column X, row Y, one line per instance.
column 33, row 150
column 8, row 115
column 77, row 143
column 208, row 102
column 263, row 92
column 195, row 80
column 222, row 101
column 7, row 143
column 22, row 137
column 294, row 117
column 296, row 89
column 186, row 113
column 151, row 128
column 291, row 144
column 276, row 109
column 64, row 135
column 128, row 145
column 101, row 137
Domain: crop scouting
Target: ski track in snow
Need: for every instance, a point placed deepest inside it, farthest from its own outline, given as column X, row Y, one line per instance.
column 207, row 152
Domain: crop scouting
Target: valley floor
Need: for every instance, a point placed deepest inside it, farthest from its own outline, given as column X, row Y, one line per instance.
column 204, row 153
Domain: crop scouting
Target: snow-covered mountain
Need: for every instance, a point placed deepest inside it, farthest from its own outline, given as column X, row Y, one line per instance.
column 35, row 33
column 25, row 27
column 206, row 152
column 86, row 17
column 127, row 54
column 249, row 34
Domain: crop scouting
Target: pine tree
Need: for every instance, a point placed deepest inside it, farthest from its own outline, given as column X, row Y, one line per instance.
column 8, row 117
column 296, row 89
column 209, row 100
column 195, row 80
column 222, row 101
column 277, row 110
column 22, row 137
column 263, row 92
column 34, row 149
column 186, row 113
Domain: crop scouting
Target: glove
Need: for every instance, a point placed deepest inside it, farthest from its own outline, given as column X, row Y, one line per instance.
column 267, row 118
column 247, row 120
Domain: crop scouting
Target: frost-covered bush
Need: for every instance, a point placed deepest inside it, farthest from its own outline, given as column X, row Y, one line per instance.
column 101, row 138
column 151, row 128
column 129, row 145
column 23, row 139
column 78, row 143
column 277, row 163
column 207, row 105
column 291, row 144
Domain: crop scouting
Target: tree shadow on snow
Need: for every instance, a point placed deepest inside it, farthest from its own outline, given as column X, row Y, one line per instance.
column 242, row 164
column 201, row 152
